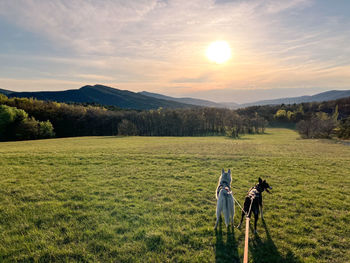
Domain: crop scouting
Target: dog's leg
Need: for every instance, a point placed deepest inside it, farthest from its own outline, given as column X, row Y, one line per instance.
column 261, row 207
column 232, row 205
column 218, row 211
column 217, row 218
column 217, row 222
column 226, row 210
column 256, row 217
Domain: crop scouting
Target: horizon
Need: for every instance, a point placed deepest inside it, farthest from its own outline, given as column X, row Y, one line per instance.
column 279, row 48
column 228, row 101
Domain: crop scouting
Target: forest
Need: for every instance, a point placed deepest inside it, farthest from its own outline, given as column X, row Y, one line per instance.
column 311, row 119
column 28, row 118
column 86, row 120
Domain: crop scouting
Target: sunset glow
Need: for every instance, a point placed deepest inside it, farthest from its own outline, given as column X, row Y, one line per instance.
column 219, row 52
column 222, row 50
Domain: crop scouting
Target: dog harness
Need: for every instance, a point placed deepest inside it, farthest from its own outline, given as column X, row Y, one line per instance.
column 253, row 193
column 224, row 186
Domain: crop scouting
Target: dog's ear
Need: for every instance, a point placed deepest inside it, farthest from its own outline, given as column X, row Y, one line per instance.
column 222, row 171
column 229, row 171
column 264, row 181
column 260, row 180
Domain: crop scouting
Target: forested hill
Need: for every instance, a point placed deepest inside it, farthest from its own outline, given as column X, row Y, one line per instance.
column 324, row 96
column 102, row 95
column 296, row 112
column 193, row 101
column 6, row 92
column 107, row 96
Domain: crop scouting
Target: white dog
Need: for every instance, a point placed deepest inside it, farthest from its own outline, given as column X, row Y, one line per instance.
column 224, row 196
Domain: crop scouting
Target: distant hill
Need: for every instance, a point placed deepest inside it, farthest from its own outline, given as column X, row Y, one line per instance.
column 324, row 96
column 230, row 105
column 144, row 100
column 6, row 92
column 198, row 102
column 103, row 95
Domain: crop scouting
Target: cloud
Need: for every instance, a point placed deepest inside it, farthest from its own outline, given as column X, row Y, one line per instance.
column 200, row 79
column 87, row 25
column 277, row 6
column 38, row 84
column 94, row 77
column 160, row 45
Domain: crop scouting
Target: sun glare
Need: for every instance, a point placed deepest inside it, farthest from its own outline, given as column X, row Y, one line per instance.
column 219, row 52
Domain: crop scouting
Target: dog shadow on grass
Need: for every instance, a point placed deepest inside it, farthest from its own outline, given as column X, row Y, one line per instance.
column 226, row 250
column 266, row 251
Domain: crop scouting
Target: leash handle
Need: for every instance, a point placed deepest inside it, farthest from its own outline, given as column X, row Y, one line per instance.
column 245, row 257
column 247, row 221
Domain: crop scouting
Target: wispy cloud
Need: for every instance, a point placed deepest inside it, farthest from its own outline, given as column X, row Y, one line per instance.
column 276, row 6
column 159, row 45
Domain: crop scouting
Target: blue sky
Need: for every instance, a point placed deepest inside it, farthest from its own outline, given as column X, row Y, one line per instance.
column 280, row 48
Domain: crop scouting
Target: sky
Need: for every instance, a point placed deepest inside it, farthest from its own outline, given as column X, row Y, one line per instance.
column 280, row 48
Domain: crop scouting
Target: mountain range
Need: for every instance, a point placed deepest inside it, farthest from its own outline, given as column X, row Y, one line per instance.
column 6, row 92
column 324, row 96
column 101, row 95
column 144, row 100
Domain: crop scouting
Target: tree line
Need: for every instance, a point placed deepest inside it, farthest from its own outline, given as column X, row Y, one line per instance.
column 312, row 119
column 88, row 120
column 43, row 119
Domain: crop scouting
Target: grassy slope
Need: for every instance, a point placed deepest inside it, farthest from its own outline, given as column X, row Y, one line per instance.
column 142, row 199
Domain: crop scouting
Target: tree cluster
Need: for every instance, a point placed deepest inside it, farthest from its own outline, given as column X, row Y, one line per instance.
column 312, row 119
column 343, row 130
column 320, row 125
column 15, row 124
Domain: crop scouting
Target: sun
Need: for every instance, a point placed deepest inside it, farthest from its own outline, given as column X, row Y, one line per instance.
column 219, row 52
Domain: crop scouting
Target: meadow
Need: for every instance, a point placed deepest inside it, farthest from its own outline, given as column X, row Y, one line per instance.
column 152, row 199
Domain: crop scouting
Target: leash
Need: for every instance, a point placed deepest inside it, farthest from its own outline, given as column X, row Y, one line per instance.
column 250, row 207
column 239, row 205
column 246, row 239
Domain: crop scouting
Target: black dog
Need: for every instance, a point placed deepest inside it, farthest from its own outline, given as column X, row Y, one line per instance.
column 255, row 195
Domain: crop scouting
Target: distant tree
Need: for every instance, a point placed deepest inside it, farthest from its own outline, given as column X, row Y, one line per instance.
column 319, row 126
column 305, row 128
column 10, row 119
column 281, row 115
column 46, row 130
column 16, row 125
column 127, row 128
column 3, row 98
column 298, row 113
column 344, row 129
column 335, row 113
column 27, row 129
column 232, row 132
column 290, row 115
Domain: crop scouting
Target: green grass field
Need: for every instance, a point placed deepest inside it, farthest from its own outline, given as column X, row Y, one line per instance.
column 152, row 199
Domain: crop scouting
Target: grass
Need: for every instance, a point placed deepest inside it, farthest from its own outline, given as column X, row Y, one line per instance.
column 152, row 199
